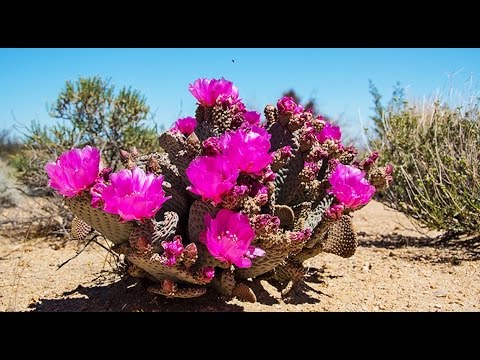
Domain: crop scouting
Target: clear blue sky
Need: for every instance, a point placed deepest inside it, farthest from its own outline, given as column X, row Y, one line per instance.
column 30, row 79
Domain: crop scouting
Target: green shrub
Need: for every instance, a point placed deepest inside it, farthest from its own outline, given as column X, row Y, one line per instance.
column 89, row 112
column 9, row 145
column 435, row 150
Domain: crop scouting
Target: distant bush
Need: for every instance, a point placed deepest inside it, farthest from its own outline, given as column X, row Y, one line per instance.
column 435, row 150
column 90, row 112
column 9, row 144
column 9, row 195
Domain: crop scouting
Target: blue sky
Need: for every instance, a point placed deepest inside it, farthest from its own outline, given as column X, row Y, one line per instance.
column 30, row 79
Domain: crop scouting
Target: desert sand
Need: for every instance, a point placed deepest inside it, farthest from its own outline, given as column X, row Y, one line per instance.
column 397, row 267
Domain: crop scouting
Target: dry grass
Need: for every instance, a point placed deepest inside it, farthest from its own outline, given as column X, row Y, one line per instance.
column 435, row 150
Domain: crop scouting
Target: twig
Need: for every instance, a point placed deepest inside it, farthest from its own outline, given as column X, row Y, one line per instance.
column 78, row 253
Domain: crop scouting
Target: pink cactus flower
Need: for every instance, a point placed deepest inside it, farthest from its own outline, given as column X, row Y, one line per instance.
column 213, row 146
column 228, row 238
column 285, row 152
column 300, row 236
column 74, row 171
column 190, row 251
column 269, row 175
column 335, row 212
column 286, row 105
column 211, row 177
column 207, row 273
column 254, row 252
column 173, row 250
column 210, row 92
column 232, row 198
column 100, row 184
column 266, row 224
column 169, row 286
column 96, row 192
column 248, row 148
column 350, row 186
column 388, row 171
column 329, row 131
column 252, row 118
column 185, row 126
column 134, row 195
column 259, row 192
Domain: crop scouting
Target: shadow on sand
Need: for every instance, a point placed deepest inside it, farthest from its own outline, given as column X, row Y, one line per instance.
column 446, row 248
column 129, row 295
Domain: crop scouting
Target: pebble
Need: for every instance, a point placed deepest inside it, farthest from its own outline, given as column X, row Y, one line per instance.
column 438, row 306
column 440, row 293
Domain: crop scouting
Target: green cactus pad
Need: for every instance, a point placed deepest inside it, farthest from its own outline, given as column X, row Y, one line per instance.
column 223, row 282
column 290, row 269
column 205, row 259
column 151, row 263
column 80, row 229
column 341, row 239
column 196, row 223
column 165, row 230
column 286, row 216
column 243, row 292
column 264, row 264
column 106, row 224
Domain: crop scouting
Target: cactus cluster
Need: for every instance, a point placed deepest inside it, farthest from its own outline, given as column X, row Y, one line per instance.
column 229, row 200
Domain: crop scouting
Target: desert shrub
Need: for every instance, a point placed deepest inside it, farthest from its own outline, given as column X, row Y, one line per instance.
column 88, row 111
column 9, row 195
column 434, row 148
column 9, row 144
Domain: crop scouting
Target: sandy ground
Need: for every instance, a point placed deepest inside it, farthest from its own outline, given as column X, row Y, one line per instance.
column 394, row 269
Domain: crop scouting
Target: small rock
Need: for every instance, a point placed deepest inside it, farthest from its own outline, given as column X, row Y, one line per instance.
column 391, row 254
column 438, row 306
column 366, row 267
column 440, row 293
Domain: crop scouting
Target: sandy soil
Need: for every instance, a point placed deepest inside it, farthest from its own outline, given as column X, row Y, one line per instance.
column 394, row 269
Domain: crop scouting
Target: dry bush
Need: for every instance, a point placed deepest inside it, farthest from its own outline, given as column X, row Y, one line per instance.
column 435, row 149
column 9, row 195
column 89, row 112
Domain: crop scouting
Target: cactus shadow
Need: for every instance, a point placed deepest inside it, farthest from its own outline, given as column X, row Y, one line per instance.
column 451, row 249
column 129, row 295
column 263, row 296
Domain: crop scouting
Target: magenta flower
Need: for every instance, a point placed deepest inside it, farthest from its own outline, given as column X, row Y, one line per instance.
column 269, row 175
column 186, row 125
column 134, row 195
column 350, row 186
column 96, row 192
column 299, row 236
column 228, row 238
column 335, row 212
column 172, row 250
column 329, row 131
column 100, row 184
column 232, row 198
column 266, row 224
column 213, row 145
column 74, row 171
column 286, row 104
column 252, row 118
column 285, row 152
column 248, row 149
column 207, row 273
column 259, row 192
column 211, row 177
column 254, row 252
column 210, row 92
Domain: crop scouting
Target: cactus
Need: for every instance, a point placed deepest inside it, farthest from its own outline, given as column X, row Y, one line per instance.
column 239, row 200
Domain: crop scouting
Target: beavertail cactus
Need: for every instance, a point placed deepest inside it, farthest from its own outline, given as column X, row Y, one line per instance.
column 228, row 200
